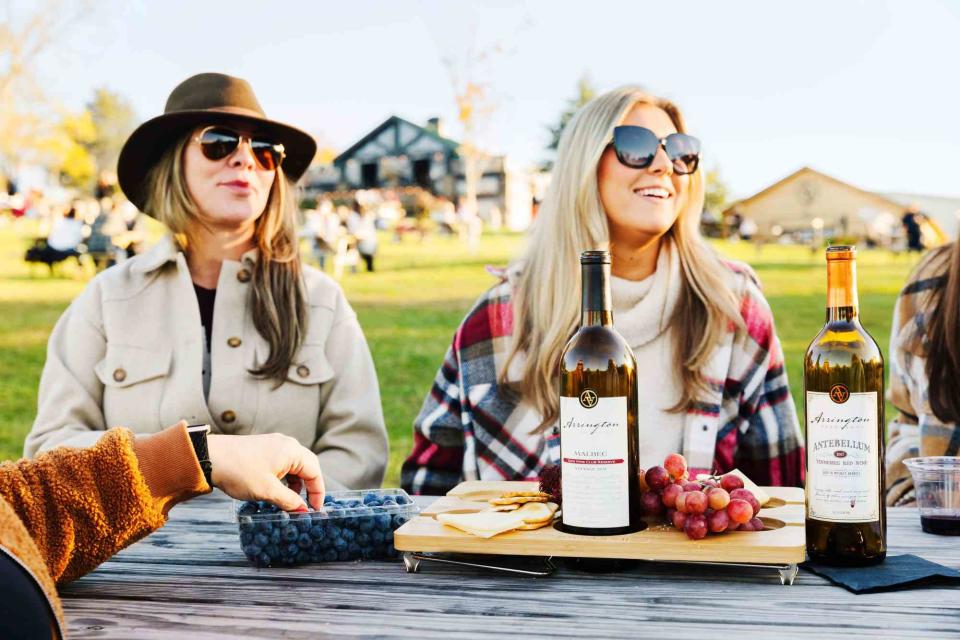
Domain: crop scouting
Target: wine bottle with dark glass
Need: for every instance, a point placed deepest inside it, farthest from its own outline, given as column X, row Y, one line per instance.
column 846, row 520
column 599, row 435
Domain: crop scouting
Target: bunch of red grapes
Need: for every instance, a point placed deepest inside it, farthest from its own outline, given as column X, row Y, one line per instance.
column 697, row 507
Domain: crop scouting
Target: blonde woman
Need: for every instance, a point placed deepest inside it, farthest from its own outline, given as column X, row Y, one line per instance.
column 712, row 384
column 220, row 323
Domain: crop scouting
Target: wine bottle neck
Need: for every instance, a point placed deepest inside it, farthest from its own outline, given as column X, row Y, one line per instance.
column 842, row 301
column 597, row 306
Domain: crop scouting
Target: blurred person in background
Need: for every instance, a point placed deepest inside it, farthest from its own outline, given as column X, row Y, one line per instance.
column 361, row 224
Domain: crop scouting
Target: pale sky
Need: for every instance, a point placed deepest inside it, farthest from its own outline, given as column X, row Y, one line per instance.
column 863, row 90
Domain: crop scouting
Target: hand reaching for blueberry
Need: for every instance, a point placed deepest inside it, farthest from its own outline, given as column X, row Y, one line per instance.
column 250, row 468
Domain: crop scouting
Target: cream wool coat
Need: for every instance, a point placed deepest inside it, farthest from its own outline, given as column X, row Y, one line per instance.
column 129, row 352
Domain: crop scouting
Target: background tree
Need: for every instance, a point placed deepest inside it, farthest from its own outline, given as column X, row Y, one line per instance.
column 27, row 35
column 717, row 194
column 113, row 120
column 586, row 90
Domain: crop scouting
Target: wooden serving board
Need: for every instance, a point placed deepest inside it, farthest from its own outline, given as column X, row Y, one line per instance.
column 782, row 542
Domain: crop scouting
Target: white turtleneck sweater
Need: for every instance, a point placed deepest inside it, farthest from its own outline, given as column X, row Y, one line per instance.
column 641, row 313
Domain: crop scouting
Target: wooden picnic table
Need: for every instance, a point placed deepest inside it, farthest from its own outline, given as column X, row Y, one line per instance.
column 189, row 579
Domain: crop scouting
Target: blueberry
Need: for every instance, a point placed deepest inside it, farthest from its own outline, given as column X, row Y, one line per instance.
column 327, row 499
column 376, row 537
column 247, row 525
column 261, row 539
column 330, row 555
column 275, row 536
column 383, row 521
column 290, row 533
column 290, row 550
column 303, row 557
column 263, row 560
column 246, row 538
column 390, row 552
column 316, row 532
column 304, row 541
column 388, row 537
column 302, row 521
column 399, row 521
column 354, row 550
column 363, row 539
column 371, row 499
column 343, row 554
column 283, row 517
column 248, row 508
column 366, row 553
column 252, row 551
column 401, row 499
column 273, row 550
column 340, row 543
column 264, row 525
column 333, row 531
column 354, row 503
column 316, row 557
column 348, row 534
column 334, row 512
column 267, row 507
column 389, row 502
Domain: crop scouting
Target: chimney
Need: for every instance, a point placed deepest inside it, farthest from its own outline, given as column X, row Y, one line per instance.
column 435, row 124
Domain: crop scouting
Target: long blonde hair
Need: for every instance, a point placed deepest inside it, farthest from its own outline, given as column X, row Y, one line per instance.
column 571, row 220
column 277, row 296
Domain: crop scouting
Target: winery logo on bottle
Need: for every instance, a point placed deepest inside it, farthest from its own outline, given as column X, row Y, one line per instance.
column 588, row 399
column 839, row 393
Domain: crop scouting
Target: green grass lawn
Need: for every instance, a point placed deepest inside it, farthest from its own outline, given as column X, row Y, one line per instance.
column 409, row 309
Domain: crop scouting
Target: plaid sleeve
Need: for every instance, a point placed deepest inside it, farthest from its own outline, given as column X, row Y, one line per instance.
column 770, row 446
column 436, row 463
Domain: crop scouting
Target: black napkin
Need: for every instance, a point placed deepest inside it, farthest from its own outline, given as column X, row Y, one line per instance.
column 895, row 573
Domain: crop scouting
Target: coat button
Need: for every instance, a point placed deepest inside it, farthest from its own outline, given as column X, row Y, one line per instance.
column 233, row 341
column 119, row 375
column 243, row 275
column 228, row 416
column 303, row 371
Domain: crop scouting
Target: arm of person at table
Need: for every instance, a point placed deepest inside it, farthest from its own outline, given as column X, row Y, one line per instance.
column 903, row 438
column 351, row 442
column 770, row 445
column 435, row 465
column 81, row 506
column 69, row 410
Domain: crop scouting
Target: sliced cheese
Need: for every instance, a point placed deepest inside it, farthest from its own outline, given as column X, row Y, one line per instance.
column 758, row 493
column 484, row 524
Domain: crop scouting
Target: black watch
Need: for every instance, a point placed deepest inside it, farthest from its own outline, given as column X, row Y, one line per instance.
column 198, row 437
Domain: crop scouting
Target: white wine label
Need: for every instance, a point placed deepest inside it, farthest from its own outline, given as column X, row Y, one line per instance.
column 593, row 461
column 843, row 458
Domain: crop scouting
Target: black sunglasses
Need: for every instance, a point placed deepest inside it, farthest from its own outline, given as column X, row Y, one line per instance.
column 217, row 143
column 636, row 148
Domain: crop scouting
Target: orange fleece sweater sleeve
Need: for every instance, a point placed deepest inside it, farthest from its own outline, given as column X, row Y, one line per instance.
column 81, row 506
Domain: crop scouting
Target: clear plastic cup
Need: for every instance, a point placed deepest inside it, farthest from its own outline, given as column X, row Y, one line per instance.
column 937, row 483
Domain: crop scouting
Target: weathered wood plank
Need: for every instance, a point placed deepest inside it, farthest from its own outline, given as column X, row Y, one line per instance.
column 190, row 580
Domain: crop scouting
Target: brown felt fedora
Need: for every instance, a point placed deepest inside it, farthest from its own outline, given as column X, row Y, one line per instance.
column 206, row 98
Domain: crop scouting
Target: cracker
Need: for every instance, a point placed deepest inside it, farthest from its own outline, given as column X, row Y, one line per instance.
column 518, row 500
column 534, row 525
column 525, row 494
column 537, row 512
column 505, row 507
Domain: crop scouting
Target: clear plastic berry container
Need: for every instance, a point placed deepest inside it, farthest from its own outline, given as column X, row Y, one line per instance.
column 352, row 525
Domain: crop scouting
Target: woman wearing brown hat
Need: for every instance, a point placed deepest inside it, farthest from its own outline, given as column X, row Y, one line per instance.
column 220, row 323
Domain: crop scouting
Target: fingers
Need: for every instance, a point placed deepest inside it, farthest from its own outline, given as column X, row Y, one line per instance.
column 283, row 497
column 307, row 468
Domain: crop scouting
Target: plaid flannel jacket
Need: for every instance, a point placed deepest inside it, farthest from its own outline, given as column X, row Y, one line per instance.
column 471, row 428
column 915, row 430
